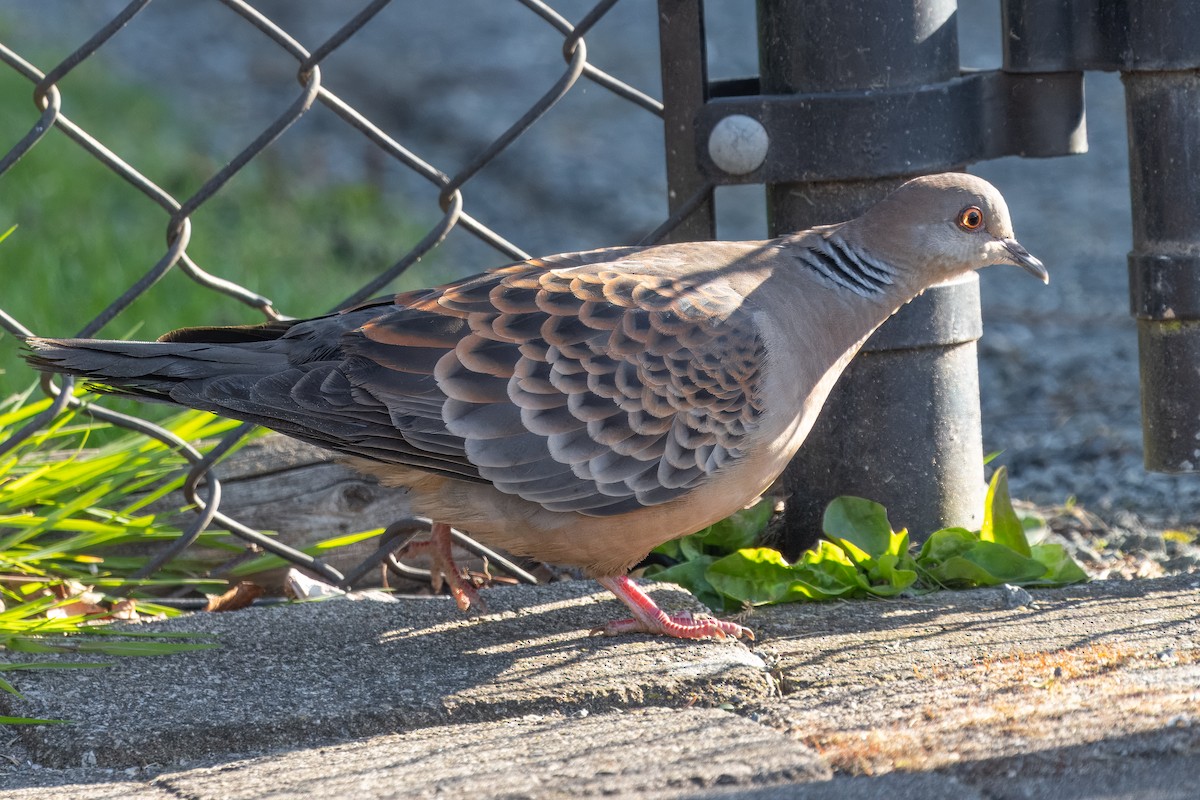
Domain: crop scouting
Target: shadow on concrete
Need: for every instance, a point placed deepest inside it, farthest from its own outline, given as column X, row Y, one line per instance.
column 322, row 672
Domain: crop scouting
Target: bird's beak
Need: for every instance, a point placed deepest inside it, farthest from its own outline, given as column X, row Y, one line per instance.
column 1021, row 258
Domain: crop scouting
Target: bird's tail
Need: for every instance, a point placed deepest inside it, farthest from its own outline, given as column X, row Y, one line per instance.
column 152, row 370
column 284, row 375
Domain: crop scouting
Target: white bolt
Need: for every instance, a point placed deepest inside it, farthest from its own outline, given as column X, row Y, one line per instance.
column 738, row 144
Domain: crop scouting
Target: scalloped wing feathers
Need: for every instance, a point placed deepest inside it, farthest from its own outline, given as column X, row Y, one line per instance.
column 596, row 390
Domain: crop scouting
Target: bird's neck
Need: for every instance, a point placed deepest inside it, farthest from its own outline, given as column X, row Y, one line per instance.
column 839, row 331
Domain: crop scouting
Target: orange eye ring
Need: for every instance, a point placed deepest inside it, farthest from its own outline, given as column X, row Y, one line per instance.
column 971, row 218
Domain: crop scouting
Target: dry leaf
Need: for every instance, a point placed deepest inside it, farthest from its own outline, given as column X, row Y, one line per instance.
column 68, row 588
column 236, row 598
column 125, row 609
column 84, row 603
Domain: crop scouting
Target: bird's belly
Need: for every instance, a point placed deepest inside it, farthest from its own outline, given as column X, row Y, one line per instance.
column 599, row 545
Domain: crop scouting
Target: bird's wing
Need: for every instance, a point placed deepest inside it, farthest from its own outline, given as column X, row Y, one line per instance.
column 596, row 389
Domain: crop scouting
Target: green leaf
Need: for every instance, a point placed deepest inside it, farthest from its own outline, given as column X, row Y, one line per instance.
column 945, row 544
column 31, row 721
column 987, row 564
column 760, row 576
column 140, row 648
column 53, row 665
column 123, row 633
column 739, row 530
column 1000, row 522
column 757, row 576
column 350, row 538
column 1061, row 569
column 860, row 528
column 861, row 522
column 889, row 578
column 690, row 548
column 670, row 549
column 20, row 644
column 959, row 573
column 837, row 567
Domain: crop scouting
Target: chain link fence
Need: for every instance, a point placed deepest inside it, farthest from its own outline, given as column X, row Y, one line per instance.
column 453, row 184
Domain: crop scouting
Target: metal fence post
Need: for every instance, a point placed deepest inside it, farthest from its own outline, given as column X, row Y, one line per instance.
column 1155, row 47
column 1163, row 110
column 903, row 425
column 683, row 55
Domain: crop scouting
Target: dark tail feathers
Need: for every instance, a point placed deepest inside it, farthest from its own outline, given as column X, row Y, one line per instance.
column 151, row 369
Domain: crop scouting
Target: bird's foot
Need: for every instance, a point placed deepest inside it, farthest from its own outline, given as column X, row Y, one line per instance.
column 680, row 626
column 649, row 618
column 443, row 567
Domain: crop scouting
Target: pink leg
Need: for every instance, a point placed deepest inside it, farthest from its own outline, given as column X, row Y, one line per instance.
column 438, row 549
column 649, row 618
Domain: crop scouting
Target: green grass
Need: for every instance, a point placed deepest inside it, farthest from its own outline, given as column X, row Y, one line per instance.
column 68, row 515
column 62, row 501
column 84, row 234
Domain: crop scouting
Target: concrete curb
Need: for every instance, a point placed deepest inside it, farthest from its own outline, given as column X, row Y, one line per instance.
column 1085, row 688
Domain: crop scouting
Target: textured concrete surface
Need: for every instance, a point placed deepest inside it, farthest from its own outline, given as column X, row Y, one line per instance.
column 327, row 671
column 642, row 752
column 960, row 680
column 379, row 770
column 946, row 695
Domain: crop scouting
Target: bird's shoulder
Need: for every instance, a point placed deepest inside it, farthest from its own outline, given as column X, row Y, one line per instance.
column 652, row 297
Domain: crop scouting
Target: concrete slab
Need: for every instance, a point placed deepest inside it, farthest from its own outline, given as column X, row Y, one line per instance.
column 959, row 681
column 1081, row 691
column 643, row 752
column 77, row 784
column 1159, row 765
column 1078, row 774
column 655, row 752
column 322, row 672
column 894, row 786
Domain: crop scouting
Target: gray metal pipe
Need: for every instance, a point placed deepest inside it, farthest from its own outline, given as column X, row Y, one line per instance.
column 902, row 427
column 1163, row 111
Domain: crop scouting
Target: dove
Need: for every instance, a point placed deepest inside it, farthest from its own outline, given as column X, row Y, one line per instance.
column 582, row 408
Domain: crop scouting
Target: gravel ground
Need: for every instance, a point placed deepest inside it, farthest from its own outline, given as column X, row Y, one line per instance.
column 1058, row 365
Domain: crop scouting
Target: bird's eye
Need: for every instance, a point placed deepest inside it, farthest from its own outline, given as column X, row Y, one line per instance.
column 971, row 218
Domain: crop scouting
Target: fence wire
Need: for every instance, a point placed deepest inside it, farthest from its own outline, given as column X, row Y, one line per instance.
column 202, row 489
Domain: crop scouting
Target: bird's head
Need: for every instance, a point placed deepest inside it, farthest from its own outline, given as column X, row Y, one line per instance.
column 944, row 225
